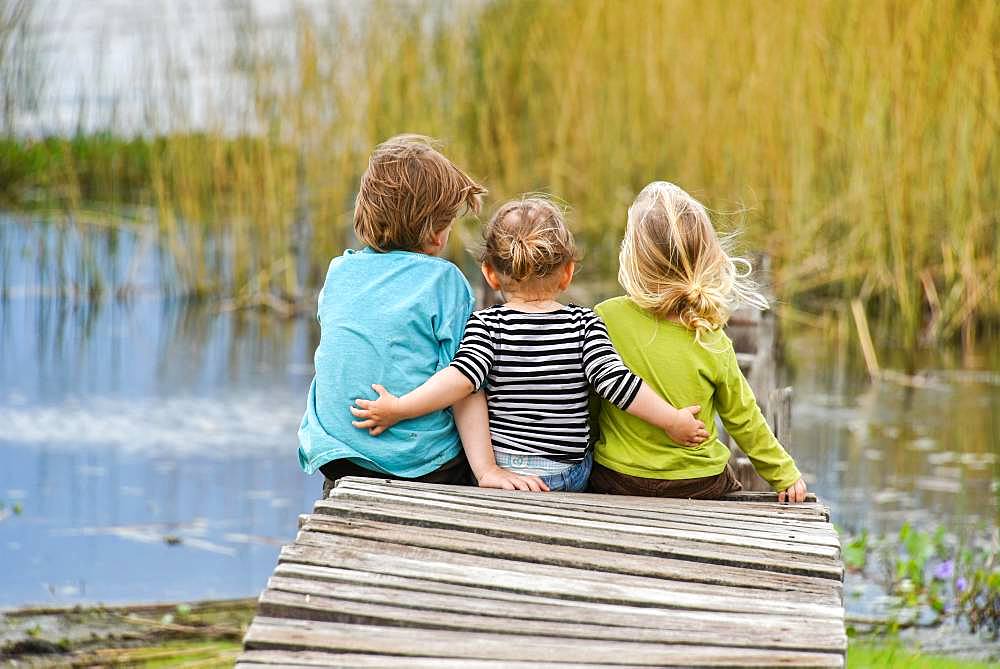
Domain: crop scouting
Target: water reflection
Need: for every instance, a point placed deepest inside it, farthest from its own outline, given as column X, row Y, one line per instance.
column 150, row 442
column 885, row 453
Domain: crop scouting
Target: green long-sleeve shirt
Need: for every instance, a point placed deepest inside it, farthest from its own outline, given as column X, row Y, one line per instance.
column 682, row 371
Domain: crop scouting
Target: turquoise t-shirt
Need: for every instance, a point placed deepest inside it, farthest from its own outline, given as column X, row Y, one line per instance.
column 390, row 318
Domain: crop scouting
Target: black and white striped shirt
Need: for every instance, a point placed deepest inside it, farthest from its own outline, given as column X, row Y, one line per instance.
column 538, row 369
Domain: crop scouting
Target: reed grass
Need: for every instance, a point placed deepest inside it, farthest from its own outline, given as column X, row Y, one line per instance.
column 856, row 142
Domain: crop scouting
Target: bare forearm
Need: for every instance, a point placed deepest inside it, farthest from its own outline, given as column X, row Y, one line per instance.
column 442, row 390
column 472, row 420
column 652, row 408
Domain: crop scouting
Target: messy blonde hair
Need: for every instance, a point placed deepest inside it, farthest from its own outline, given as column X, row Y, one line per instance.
column 409, row 193
column 527, row 242
column 674, row 265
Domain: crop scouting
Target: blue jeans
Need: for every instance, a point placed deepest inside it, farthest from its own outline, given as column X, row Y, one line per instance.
column 573, row 479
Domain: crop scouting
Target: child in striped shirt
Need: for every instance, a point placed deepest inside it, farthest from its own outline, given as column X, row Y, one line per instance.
column 537, row 361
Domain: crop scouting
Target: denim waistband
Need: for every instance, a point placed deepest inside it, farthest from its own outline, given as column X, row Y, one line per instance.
column 530, row 464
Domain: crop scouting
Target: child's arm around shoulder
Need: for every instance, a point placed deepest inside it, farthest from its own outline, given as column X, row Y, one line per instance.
column 440, row 391
column 745, row 423
column 612, row 380
column 466, row 373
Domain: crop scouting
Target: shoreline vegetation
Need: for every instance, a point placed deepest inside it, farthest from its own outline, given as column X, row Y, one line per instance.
column 856, row 143
column 209, row 634
column 196, row 634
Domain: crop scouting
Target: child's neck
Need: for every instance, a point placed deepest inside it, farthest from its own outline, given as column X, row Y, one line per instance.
column 533, row 303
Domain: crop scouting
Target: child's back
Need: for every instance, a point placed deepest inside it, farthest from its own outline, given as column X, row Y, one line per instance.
column 683, row 371
column 397, row 317
column 392, row 311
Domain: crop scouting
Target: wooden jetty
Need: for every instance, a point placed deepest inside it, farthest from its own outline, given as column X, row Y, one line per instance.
column 401, row 574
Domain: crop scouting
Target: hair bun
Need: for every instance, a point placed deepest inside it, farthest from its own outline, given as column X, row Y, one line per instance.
column 527, row 239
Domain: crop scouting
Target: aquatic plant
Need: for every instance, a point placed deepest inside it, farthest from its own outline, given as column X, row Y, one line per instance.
column 934, row 575
column 857, row 142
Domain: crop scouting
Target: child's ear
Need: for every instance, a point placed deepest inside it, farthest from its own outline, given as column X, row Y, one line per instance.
column 567, row 276
column 437, row 241
column 491, row 276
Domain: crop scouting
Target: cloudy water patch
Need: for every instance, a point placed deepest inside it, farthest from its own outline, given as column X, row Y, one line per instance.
column 240, row 423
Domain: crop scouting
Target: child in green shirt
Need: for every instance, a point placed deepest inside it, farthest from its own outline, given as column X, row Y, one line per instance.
column 681, row 285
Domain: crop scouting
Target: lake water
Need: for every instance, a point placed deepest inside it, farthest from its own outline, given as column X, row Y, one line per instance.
column 151, row 443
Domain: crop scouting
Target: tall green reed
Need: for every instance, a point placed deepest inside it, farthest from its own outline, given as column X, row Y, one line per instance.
column 20, row 82
column 855, row 142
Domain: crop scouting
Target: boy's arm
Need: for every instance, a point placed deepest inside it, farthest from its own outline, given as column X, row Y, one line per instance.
column 612, row 380
column 745, row 423
column 440, row 391
column 472, row 420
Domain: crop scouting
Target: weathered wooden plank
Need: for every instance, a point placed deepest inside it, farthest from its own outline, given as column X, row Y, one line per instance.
column 807, row 545
column 689, row 513
column 558, row 582
column 455, row 545
column 813, row 512
column 271, row 633
column 807, row 514
column 308, row 578
column 283, row 604
column 608, row 539
column 343, row 602
column 298, row 659
column 768, row 497
column 689, row 526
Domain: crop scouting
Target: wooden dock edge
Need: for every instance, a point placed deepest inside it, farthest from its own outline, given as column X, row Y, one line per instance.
column 403, row 574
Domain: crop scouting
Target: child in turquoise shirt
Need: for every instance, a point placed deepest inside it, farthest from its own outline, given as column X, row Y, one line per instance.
column 393, row 311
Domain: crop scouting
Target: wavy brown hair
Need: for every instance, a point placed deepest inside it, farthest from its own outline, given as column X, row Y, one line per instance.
column 409, row 193
column 527, row 241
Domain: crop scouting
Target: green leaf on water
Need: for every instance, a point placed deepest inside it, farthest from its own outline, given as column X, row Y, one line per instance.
column 856, row 552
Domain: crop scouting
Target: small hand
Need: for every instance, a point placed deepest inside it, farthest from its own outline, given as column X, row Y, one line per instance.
column 379, row 415
column 686, row 429
column 508, row 480
column 795, row 493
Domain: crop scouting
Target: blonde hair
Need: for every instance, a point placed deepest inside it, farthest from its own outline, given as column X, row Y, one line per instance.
column 527, row 241
column 673, row 264
column 409, row 193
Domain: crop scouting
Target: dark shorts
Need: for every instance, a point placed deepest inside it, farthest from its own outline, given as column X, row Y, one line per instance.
column 454, row 472
column 604, row 480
